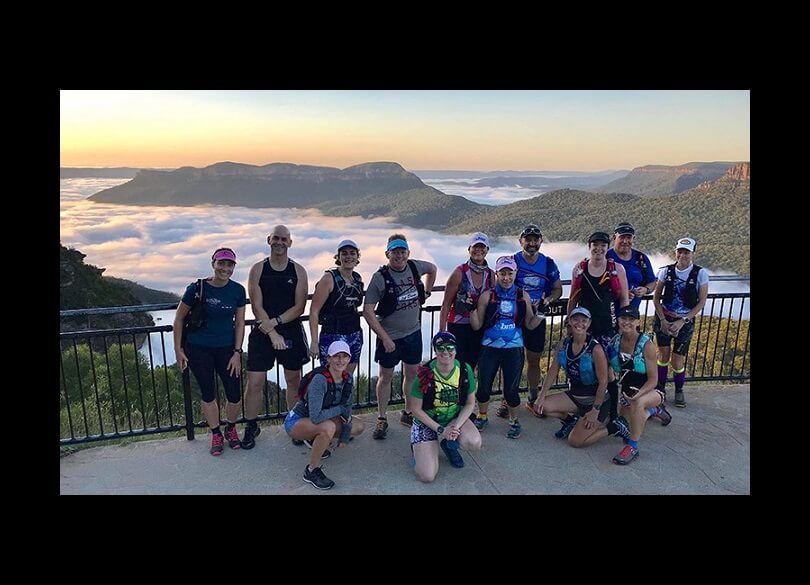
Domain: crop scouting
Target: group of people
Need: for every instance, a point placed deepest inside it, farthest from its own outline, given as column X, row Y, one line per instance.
column 490, row 320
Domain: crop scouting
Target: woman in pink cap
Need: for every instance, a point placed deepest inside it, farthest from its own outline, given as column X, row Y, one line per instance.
column 213, row 343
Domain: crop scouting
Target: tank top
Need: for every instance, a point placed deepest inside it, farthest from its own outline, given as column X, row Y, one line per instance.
column 278, row 292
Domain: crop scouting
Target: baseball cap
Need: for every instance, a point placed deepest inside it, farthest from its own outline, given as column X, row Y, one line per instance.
column 599, row 237
column 531, row 230
column 337, row 347
column 397, row 244
column 478, row 238
column 443, row 336
column 224, row 254
column 625, row 228
column 687, row 243
column 344, row 243
column 580, row 311
column 629, row 311
column 505, row 262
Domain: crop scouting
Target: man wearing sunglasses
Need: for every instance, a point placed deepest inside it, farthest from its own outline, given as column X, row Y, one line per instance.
column 539, row 276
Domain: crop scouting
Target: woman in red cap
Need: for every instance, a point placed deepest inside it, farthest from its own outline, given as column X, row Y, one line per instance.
column 214, row 343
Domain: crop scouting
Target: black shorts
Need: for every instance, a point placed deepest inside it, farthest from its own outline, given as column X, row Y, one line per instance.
column 585, row 403
column 682, row 341
column 262, row 355
column 535, row 339
column 408, row 350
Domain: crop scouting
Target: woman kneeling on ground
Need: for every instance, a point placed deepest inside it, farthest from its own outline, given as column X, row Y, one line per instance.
column 442, row 405
column 585, row 407
column 323, row 411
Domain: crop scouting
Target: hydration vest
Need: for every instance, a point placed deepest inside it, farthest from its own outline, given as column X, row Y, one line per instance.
column 388, row 303
column 337, row 311
column 610, row 272
column 587, row 370
column 460, row 309
column 427, row 384
column 690, row 291
column 639, row 364
column 493, row 313
column 331, row 388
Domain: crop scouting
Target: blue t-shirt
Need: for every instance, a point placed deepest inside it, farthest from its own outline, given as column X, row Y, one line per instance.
column 635, row 276
column 536, row 279
column 220, row 309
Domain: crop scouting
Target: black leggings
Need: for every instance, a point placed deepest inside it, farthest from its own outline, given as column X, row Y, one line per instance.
column 203, row 361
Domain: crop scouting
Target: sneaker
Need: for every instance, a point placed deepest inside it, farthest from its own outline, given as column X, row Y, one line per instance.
column 680, row 402
column 481, row 423
column 381, row 429
column 325, row 455
column 622, row 427
column 216, row 443
column 317, row 478
column 626, row 455
column 663, row 415
column 249, row 438
column 233, row 438
column 450, row 449
column 406, row 418
column 530, row 407
column 514, row 431
column 567, row 426
column 503, row 410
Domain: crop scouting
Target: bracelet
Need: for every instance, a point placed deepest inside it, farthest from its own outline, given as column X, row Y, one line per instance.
column 238, row 350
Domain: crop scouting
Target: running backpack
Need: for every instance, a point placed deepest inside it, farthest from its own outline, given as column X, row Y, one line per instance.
column 388, row 303
column 493, row 312
column 690, row 291
column 615, row 283
column 330, row 382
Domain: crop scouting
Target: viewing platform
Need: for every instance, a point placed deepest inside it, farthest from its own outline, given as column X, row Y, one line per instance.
column 705, row 450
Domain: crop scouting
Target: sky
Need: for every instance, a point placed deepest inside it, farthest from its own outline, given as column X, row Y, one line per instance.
column 484, row 130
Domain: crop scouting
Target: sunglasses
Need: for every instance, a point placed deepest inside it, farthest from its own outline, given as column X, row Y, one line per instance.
column 448, row 347
column 530, row 231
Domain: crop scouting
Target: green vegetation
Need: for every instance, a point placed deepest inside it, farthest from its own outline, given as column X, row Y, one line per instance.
column 653, row 180
column 717, row 216
column 145, row 296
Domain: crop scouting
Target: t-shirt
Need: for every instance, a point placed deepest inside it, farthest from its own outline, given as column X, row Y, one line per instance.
column 445, row 403
column 405, row 319
column 677, row 306
column 635, row 276
column 220, row 308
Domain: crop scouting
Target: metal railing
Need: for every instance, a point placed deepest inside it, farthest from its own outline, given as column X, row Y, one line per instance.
column 115, row 385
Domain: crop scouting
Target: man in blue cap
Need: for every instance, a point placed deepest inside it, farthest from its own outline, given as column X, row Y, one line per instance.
column 392, row 308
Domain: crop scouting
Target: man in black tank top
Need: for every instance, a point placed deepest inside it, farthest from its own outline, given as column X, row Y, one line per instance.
column 277, row 288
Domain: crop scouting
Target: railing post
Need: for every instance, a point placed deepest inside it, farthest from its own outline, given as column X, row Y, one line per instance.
column 187, row 404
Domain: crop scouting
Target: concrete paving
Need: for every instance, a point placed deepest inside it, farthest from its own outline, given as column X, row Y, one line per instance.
column 706, row 450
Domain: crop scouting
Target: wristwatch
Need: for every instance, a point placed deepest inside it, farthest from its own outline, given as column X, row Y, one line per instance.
column 687, row 320
column 439, row 430
column 238, row 350
column 596, row 406
column 278, row 320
